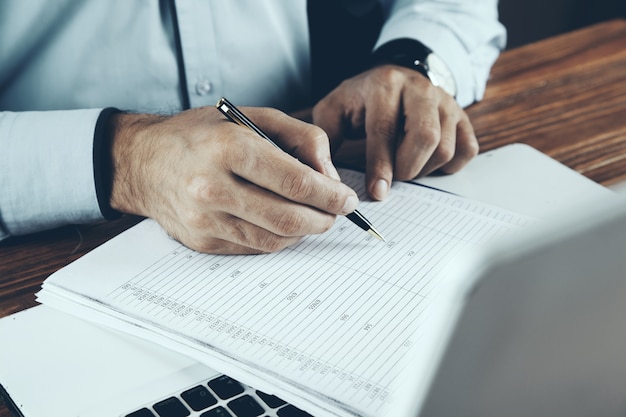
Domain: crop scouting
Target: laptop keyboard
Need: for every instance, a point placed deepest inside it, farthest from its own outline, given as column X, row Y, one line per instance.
column 220, row 397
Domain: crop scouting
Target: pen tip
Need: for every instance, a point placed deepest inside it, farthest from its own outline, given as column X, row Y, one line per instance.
column 377, row 235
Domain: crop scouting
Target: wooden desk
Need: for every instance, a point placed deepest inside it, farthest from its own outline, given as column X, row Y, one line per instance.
column 566, row 96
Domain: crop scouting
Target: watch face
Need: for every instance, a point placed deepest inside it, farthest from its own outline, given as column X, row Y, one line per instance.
column 442, row 73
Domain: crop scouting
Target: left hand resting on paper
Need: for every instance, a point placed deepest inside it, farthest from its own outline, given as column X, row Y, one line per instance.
column 412, row 128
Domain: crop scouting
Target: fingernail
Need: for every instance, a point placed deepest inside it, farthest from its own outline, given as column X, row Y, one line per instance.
column 380, row 190
column 350, row 205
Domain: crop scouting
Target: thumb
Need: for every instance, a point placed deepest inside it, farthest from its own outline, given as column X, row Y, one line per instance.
column 329, row 117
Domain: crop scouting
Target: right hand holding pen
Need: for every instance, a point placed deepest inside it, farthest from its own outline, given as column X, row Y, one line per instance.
column 220, row 188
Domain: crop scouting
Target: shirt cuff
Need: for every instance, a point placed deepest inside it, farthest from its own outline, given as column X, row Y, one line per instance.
column 47, row 171
column 469, row 64
column 102, row 163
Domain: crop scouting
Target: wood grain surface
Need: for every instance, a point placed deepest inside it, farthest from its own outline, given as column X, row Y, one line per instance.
column 566, row 96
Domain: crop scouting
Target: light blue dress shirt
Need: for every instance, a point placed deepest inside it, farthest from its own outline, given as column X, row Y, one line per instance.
column 63, row 61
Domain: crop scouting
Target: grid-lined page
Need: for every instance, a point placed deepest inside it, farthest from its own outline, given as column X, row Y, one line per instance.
column 335, row 313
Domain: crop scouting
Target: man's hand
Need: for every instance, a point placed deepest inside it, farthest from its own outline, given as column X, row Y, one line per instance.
column 411, row 127
column 218, row 187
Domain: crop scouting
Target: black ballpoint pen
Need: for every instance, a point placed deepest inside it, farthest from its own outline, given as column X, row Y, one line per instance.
column 235, row 115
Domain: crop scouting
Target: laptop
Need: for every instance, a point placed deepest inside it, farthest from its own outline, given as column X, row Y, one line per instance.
column 537, row 326
column 54, row 364
column 534, row 330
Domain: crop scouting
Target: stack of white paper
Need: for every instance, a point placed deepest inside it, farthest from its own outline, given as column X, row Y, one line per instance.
column 325, row 324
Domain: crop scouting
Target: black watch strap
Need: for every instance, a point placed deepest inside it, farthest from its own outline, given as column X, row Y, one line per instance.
column 404, row 52
column 413, row 54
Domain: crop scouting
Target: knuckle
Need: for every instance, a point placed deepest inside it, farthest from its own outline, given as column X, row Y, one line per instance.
column 238, row 232
column 471, row 148
column 208, row 245
column 390, row 74
column 199, row 189
column 429, row 136
column 194, row 233
column 191, row 218
column 275, row 113
column 318, row 136
column 314, row 138
column 324, row 227
column 385, row 129
column 444, row 152
column 235, row 154
column 335, row 201
column 253, row 240
column 270, row 243
column 187, row 214
column 467, row 143
column 464, row 154
column 290, row 223
column 203, row 191
column 298, row 186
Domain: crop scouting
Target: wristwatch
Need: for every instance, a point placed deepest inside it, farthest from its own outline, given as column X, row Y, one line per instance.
column 413, row 54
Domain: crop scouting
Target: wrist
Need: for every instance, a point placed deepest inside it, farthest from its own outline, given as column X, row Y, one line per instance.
column 410, row 53
column 131, row 152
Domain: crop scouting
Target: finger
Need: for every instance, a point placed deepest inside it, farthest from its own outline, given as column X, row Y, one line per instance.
column 201, row 236
column 244, row 200
column 446, row 148
column 422, row 133
column 222, row 247
column 222, row 232
column 274, row 170
column 306, row 142
column 328, row 114
column 277, row 214
column 251, row 238
column 245, row 239
column 381, row 127
column 467, row 147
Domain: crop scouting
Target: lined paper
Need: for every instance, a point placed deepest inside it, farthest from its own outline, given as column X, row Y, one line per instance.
column 335, row 314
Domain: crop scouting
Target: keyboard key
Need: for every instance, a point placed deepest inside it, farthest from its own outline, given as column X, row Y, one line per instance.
column 291, row 411
column 245, row 406
column 272, row 401
column 216, row 412
column 144, row 412
column 198, row 398
column 171, row 407
column 225, row 387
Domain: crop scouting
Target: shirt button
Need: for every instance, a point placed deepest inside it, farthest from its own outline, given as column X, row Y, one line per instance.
column 203, row 87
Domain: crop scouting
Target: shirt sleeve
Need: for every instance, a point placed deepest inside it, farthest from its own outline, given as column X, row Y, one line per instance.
column 46, row 170
column 465, row 34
